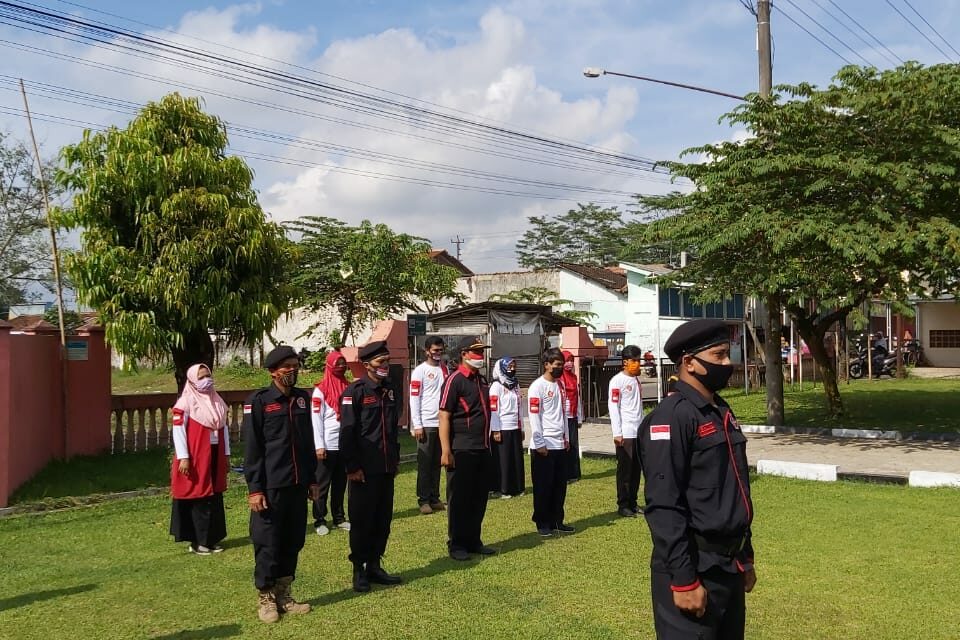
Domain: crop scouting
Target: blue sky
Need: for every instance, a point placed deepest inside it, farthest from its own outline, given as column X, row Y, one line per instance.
column 516, row 63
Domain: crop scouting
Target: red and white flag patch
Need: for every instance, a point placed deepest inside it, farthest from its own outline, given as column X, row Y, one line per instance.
column 346, row 400
column 494, row 402
column 415, row 387
column 316, row 405
column 247, row 408
column 659, row 432
column 534, row 405
column 177, row 418
column 615, row 395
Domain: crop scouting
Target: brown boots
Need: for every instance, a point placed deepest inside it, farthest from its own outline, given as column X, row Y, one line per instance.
column 273, row 602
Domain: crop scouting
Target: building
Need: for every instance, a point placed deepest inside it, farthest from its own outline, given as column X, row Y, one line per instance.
column 938, row 329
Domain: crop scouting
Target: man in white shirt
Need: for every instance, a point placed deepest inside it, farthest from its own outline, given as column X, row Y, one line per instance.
column 625, row 402
column 549, row 442
column 426, row 385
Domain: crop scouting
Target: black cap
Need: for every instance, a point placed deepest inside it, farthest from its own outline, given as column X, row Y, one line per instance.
column 278, row 355
column 473, row 343
column 695, row 336
column 370, row 351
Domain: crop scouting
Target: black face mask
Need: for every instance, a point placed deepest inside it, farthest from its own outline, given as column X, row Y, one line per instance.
column 716, row 377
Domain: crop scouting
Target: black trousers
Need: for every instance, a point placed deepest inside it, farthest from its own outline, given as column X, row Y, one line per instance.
column 200, row 521
column 726, row 611
column 428, row 467
column 332, row 478
column 549, row 486
column 468, row 485
column 508, row 469
column 628, row 474
column 371, row 512
column 278, row 534
column 573, row 455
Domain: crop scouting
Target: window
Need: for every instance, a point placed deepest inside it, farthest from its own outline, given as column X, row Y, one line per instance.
column 670, row 303
column 690, row 309
column 582, row 306
column 945, row 339
column 714, row 310
column 735, row 307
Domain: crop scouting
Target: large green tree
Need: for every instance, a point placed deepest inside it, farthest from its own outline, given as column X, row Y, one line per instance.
column 366, row 273
column 842, row 195
column 174, row 245
column 26, row 263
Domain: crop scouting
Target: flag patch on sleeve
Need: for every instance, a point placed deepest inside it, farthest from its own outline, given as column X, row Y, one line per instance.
column 346, row 400
column 534, row 405
column 177, row 418
column 659, row 432
column 615, row 395
column 247, row 408
column 316, row 405
column 415, row 387
column 494, row 401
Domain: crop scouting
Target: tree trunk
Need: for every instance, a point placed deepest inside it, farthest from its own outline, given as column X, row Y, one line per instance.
column 774, row 375
column 197, row 348
column 828, row 373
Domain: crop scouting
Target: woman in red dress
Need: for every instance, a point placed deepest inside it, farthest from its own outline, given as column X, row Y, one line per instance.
column 198, row 475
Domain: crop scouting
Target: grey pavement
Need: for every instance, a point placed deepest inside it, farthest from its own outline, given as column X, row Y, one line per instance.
column 854, row 457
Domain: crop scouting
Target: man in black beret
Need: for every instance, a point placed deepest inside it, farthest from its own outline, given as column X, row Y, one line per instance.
column 698, row 504
column 465, row 450
column 370, row 448
column 280, row 467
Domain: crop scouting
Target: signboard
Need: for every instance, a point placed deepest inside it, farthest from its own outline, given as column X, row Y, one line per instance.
column 416, row 324
column 78, row 349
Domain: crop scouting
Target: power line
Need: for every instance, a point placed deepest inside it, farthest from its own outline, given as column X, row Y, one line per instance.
column 854, row 33
column 811, row 34
column 830, row 33
column 918, row 30
column 865, row 30
column 932, row 28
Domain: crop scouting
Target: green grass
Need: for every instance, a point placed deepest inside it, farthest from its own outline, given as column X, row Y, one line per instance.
column 841, row 560
column 161, row 380
column 914, row 404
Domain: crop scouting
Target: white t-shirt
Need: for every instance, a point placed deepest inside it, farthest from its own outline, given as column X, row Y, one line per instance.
column 505, row 407
column 426, row 386
column 625, row 402
column 548, row 420
column 326, row 426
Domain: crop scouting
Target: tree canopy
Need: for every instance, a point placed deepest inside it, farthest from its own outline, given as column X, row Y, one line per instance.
column 366, row 273
column 548, row 298
column 174, row 244
column 840, row 195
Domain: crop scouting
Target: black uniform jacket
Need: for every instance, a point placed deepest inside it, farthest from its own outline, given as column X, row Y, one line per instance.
column 467, row 397
column 698, row 487
column 369, row 436
column 278, row 440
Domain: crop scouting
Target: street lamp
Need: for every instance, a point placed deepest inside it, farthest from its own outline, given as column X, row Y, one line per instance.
column 596, row 72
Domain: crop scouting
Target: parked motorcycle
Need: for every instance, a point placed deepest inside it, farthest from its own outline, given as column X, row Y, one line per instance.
column 883, row 363
column 649, row 365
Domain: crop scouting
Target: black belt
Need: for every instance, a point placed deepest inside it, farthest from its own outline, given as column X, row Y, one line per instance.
column 721, row 545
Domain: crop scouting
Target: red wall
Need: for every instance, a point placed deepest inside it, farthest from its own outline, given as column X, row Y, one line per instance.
column 32, row 406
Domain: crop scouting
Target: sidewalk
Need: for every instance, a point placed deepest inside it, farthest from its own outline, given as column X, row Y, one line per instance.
column 886, row 460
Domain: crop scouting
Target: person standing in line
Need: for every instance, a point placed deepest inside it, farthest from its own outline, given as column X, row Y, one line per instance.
column 280, row 466
column 697, row 490
column 426, row 385
column 331, row 474
column 506, row 429
column 625, row 402
column 198, row 475
column 370, row 446
column 549, row 444
column 573, row 410
column 465, row 451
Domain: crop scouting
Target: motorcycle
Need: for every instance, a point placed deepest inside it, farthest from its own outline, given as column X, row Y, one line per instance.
column 883, row 363
column 649, row 365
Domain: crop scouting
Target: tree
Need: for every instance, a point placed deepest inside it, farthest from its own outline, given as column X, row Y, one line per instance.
column 843, row 195
column 174, row 245
column 588, row 235
column 365, row 273
column 26, row 263
column 547, row 298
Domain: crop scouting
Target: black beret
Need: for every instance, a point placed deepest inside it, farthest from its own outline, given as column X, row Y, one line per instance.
column 370, row 351
column 278, row 355
column 473, row 343
column 695, row 336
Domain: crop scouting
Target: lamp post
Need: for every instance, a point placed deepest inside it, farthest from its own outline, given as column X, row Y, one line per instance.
column 596, row 72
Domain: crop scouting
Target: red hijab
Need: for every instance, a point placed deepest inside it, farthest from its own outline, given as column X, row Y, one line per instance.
column 332, row 385
column 570, row 384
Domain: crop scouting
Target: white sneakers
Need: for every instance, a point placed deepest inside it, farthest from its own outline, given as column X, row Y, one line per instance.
column 344, row 525
column 201, row 550
column 322, row 530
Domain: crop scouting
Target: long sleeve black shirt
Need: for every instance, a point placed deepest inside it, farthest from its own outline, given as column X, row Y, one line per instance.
column 369, row 435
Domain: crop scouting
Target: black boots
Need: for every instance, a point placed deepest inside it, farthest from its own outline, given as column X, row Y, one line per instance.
column 360, row 582
column 375, row 573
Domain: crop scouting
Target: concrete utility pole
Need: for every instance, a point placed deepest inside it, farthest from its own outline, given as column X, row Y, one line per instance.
column 764, row 48
column 459, row 241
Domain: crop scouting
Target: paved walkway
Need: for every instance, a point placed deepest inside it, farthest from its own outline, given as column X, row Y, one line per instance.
column 880, row 458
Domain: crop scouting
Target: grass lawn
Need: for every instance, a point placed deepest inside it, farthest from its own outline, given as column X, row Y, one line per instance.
column 840, row 560
column 162, row 381
column 913, row 404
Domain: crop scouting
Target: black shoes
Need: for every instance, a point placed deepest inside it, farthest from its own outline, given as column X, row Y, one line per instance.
column 378, row 575
column 484, row 550
column 459, row 554
column 627, row 512
column 545, row 532
column 360, row 582
column 563, row 528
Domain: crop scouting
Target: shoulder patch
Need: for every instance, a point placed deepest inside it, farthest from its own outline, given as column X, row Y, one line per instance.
column 247, row 408
column 316, row 404
column 301, row 402
column 534, row 405
column 615, row 395
column 659, row 432
column 346, row 400
column 494, row 402
column 178, row 417
column 415, row 387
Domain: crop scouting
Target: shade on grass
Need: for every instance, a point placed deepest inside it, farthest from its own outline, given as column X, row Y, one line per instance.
column 840, row 560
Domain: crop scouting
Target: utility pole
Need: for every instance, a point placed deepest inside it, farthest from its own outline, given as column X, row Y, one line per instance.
column 459, row 241
column 764, row 48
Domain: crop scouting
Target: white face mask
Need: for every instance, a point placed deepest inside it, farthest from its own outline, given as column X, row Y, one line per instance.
column 382, row 372
column 474, row 363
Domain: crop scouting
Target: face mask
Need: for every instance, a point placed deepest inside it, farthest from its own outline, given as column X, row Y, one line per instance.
column 568, row 366
column 382, row 372
column 288, row 379
column 632, row 368
column 436, row 357
column 474, row 363
column 716, row 377
column 204, row 385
